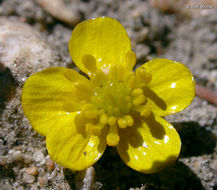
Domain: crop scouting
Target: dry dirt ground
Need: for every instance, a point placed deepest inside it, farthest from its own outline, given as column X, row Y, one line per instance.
column 34, row 35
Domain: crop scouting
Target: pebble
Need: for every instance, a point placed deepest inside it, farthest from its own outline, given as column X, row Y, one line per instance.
column 38, row 156
column 50, row 165
column 28, row 178
column 85, row 179
column 68, row 13
column 17, row 155
column 23, row 50
column 5, row 187
column 32, row 171
column 213, row 165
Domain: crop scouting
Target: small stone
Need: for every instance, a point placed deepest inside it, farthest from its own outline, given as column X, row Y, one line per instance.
column 214, row 165
column 32, row 171
column 69, row 13
column 5, row 187
column 50, row 165
column 28, row 178
column 38, row 156
column 17, row 155
column 23, row 50
column 41, row 182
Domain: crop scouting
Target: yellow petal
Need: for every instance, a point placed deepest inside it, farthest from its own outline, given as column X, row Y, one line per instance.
column 49, row 94
column 72, row 149
column 150, row 145
column 172, row 87
column 104, row 38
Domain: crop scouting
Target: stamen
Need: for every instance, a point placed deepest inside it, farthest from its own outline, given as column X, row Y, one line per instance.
column 129, row 120
column 111, row 121
column 137, row 92
column 94, row 129
column 125, row 121
column 122, row 123
column 146, row 111
column 130, row 59
column 140, row 72
column 143, row 76
column 104, row 119
column 113, row 137
column 90, row 111
column 89, row 62
column 138, row 100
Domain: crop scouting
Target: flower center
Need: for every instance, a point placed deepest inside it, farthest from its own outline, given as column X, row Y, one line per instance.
column 113, row 97
column 114, row 93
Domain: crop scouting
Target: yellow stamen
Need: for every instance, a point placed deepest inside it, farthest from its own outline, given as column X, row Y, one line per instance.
column 138, row 100
column 140, row 72
column 104, row 119
column 90, row 111
column 146, row 111
column 94, row 129
column 113, row 137
column 129, row 120
column 122, row 123
column 111, row 121
column 89, row 62
column 137, row 92
column 143, row 76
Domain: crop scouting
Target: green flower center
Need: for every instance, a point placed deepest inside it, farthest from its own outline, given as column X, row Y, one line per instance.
column 113, row 97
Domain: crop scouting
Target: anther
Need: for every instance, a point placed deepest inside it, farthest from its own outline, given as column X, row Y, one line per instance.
column 130, row 59
column 122, row 123
column 142, row 75
column 113, row 137
column 111, row 121
column 104, row 119
column 129, row 120
column 90, row 111
column 138, row 100
column 137, row 92
column 146, row 111
column 89, row 62
column 140, row 72
column 94, row 129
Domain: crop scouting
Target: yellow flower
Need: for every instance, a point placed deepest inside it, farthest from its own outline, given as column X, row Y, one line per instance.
column 113, row 106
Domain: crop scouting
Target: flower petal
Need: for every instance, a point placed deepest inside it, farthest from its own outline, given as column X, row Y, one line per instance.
column 150, row 145
column 104, row 38
column 172, row 87
column 72, row 149
column 47, row 95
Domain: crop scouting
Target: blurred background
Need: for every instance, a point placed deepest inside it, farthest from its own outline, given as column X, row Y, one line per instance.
column 34, row 35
